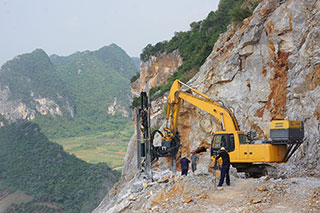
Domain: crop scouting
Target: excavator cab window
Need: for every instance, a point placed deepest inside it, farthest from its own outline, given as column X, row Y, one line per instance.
column 231, row 146
column 242, row 139
column 223, row 140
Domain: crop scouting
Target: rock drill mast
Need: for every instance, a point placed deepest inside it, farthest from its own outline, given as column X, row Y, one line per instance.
column 144, row 155
column 146, row 151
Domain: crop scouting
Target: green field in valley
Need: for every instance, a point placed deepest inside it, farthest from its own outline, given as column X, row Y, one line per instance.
column 97, row 148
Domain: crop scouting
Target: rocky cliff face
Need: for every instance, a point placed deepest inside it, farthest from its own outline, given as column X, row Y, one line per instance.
column 13, row 110
column 269, row 68
column 156, row 71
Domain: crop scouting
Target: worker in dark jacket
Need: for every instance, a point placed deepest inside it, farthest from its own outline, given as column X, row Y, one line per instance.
column 225, row 166
column 184, row 162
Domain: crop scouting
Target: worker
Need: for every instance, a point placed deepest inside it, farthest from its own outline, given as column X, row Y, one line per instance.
column 184, row 163
column 194, row 160
column 225, row 166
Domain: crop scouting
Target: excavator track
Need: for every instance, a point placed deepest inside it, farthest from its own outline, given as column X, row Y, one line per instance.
column 257, row 170
column 260, row 170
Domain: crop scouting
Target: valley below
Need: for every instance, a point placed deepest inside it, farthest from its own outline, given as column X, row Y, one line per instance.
column 107, row 147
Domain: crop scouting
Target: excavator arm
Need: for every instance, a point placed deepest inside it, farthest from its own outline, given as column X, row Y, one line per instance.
column 196, row 98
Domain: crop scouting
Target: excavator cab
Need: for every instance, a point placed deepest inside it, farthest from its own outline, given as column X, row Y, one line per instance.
column 222, row 140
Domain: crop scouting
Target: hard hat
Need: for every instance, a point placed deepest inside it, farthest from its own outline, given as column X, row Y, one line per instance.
column 223, row 149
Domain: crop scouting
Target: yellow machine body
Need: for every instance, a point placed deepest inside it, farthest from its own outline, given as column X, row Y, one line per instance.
column 251, row 153
column 285, row 124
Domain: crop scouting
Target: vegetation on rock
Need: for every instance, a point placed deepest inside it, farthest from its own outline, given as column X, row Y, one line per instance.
column 135, row 77
column 241, row 12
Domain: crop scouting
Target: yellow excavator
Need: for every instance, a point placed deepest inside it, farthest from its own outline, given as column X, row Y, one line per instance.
column 246, row 154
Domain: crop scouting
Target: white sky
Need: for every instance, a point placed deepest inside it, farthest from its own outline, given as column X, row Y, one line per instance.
column 65, row 26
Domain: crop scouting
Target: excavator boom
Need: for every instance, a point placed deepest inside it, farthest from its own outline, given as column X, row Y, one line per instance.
column 218, row 110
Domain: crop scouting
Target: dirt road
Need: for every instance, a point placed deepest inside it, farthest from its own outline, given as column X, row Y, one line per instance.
column 196, row 193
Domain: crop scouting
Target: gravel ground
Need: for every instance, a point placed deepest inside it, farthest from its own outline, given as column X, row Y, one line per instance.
column 197, row 193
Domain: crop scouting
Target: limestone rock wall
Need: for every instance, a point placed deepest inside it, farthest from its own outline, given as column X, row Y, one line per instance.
column 156, row 71
column 269, row 69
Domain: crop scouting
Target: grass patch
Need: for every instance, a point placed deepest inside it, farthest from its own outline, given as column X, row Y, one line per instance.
column 97, row 148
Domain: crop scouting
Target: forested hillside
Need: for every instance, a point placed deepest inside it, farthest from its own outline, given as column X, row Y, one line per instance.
column 31, row 163
column 29, row 78
column 32, row 73
column 196, row 44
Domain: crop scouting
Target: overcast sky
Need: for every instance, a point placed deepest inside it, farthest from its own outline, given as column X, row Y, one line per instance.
column 65, row 26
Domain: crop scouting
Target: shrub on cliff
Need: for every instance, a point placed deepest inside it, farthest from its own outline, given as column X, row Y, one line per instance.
column 135, row 77
column 241, row 12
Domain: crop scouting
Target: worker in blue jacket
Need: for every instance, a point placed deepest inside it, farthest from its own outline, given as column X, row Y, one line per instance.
column 184, row 163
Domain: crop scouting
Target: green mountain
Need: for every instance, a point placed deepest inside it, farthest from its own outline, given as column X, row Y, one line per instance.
column 99, row 85
column 84, row 93
column 31, row 163
column 95, row 79
column 31, row 77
